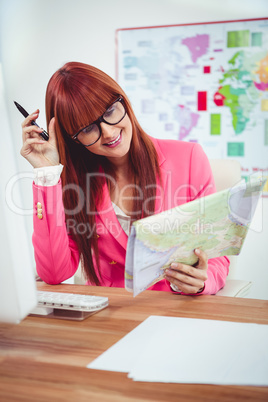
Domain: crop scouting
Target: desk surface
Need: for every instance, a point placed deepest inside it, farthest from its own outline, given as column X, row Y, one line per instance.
column 44, row 359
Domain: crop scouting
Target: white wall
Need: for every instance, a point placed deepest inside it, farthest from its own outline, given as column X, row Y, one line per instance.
column 38, row 36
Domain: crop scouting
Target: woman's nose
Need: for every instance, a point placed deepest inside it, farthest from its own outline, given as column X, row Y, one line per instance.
column 107, row 131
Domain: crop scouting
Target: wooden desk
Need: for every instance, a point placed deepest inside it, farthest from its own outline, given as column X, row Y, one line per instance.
column 44, row 359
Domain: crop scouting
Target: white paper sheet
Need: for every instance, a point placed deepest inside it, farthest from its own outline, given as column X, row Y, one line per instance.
column 122, row 355
column 184, row 350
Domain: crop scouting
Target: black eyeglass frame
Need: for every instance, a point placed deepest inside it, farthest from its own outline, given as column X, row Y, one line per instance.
column 99, row 121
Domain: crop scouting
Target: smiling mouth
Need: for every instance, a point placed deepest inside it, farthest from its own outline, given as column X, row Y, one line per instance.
column 114, row 141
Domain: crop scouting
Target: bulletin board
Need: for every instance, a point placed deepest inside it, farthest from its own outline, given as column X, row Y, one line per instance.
column 204, row 82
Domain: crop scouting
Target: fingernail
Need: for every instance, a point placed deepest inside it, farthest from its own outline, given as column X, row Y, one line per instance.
column 197, row 251
column 173, row 265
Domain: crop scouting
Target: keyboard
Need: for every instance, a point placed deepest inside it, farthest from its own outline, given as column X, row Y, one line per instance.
column 68, row 305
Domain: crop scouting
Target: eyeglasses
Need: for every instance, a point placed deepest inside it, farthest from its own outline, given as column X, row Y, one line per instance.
column 90, row 134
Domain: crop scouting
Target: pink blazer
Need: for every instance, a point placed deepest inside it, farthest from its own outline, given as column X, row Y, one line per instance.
column 186, row 175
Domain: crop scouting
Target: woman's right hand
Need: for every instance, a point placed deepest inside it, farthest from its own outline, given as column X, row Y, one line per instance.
column 38, row 152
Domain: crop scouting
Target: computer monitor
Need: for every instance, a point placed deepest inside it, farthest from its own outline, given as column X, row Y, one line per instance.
column 18, row 294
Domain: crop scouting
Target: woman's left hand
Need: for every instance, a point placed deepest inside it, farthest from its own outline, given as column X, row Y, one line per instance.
column 188, row 279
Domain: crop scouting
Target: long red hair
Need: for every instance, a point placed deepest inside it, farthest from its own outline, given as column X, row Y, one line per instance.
column 78, row 94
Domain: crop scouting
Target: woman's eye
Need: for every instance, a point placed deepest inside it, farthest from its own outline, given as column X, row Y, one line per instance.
column 109, row 111
column 88, row 129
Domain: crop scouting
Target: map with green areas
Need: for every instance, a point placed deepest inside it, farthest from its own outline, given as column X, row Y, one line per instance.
column 217, row 224
column 191, row 226
column 238, row 89
column 205, row 83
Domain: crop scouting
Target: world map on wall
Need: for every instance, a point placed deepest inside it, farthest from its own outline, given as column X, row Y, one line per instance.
column 205, row 83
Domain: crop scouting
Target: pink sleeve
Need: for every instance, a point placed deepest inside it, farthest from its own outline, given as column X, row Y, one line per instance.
column 217, row 272
column 56, row 253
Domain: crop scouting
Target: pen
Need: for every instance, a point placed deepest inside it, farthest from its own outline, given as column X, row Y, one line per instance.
column 44, row 134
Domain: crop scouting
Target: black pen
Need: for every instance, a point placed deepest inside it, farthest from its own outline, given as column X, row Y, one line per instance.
column 44, row 134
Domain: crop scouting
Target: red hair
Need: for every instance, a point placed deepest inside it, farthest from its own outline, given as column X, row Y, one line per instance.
column 78, row 94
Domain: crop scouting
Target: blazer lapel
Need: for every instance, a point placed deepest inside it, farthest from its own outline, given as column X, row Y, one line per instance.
column 163, row 186
column 109, row 219
column 162, row 191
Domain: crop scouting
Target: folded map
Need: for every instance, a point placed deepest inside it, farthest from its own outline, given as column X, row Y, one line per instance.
column 217, row 224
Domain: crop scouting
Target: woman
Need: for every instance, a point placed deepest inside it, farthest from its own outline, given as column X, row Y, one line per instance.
column 99, row 172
